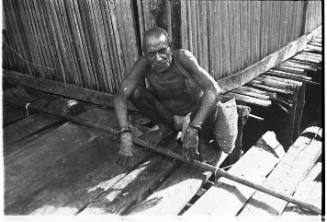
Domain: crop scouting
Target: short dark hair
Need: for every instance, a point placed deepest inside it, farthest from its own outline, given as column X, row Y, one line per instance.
column 156, row 31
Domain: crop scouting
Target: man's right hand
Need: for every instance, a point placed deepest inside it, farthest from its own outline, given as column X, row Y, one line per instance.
column 125, row 154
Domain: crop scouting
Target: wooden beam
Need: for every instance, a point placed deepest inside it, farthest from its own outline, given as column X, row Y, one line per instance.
column 62, row 89
column 307, row 191
column 226, row 197
column 286, row 176
column 244, row 76
column 250, row 99
column 76, row 173
column 26, row 127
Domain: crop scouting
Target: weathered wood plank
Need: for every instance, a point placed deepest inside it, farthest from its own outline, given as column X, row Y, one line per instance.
column 159, row 202
column 309, row 191
column 62, row 89
column 286, row 176
column 226, row 197
column 11, row 115
column 79, row 174
column 134, row 187
column 242, row 77
column 250, row 99
column 25, row 169
column 26, row 127
column 173, row 194
column 259, row 85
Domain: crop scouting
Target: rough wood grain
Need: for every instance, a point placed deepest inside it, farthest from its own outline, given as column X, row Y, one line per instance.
column 79, row 174
column 133, row 188
column 26, row 127
column 286, row 176
column 67, row 90
column 309, row 190
column 226, row 197
column 250, row 99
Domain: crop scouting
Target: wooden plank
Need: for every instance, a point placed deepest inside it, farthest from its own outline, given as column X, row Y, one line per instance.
column 25, row 169
column 133, row 188
column 273, row 83
column 242, row 77
column 295, row 64
column 11, row 115
column 258, row 91
column 254, row 165
column 250, row 93
column 159, row 202
column 309, row 191
column 79, row 174
column 286, row 176
column 27, row 127
column 289, row 81
column 250, row 99
column 58, row 88
column 258, row 84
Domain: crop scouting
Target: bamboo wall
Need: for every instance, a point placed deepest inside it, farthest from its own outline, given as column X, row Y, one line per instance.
column 227, row 36
column 94, row 43
column 90, row 43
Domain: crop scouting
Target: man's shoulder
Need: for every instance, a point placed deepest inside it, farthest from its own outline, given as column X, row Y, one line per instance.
column 183, row 53
column 185, row 57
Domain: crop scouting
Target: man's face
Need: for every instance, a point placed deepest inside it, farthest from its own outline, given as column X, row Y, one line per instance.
column 158, row 53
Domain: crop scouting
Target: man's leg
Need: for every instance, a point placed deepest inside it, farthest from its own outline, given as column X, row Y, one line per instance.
column 148, row 105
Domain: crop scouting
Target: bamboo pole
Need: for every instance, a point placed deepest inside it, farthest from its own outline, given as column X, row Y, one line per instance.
column 171, row 154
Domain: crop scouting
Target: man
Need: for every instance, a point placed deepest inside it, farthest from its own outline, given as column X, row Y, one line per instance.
column 178, row 85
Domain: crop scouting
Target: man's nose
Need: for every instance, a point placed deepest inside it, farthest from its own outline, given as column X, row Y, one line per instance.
column 158, row 57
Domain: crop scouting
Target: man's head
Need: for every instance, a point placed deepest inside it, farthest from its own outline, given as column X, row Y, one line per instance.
column 156, row 46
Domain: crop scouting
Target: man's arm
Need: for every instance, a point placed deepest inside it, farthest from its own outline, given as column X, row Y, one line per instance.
column 209, row 99
column 127, row 88
column 208, row 85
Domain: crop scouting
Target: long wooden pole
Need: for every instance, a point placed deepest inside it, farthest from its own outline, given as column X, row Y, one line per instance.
column 173, row 155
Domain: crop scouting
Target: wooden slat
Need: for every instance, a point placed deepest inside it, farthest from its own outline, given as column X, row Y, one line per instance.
column 250, row 99
column 11, row 115
column 240, row 78
column 77, row 175
column 258, row 84
column 226, row 197
column 159, row 202
column 309, row 191
column 25, row 168
column 67, row 90
column 26, row 127
column 134, row 187
column 286, row 176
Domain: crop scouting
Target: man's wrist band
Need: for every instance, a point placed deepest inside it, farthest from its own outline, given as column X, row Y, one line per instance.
column 125, row 129
column 198, row 127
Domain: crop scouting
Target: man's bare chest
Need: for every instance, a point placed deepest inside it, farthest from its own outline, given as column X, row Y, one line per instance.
column 168, row 85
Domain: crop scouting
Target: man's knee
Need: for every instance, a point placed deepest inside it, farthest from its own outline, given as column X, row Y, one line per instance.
column 138, row 93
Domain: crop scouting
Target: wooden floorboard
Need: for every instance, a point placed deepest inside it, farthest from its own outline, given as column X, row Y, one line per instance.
column 310, row 191
column 81, row 175
column 286, row 176
column 133, row 188
column 226, row 197
column 11, row 115
column 26, row 168
column 175, row 192
column 27, row 127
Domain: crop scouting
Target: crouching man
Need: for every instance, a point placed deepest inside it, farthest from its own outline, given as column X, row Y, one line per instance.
column 178, row 86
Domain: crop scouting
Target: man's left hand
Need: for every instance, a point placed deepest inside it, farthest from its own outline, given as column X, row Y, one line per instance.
column 190, row 144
